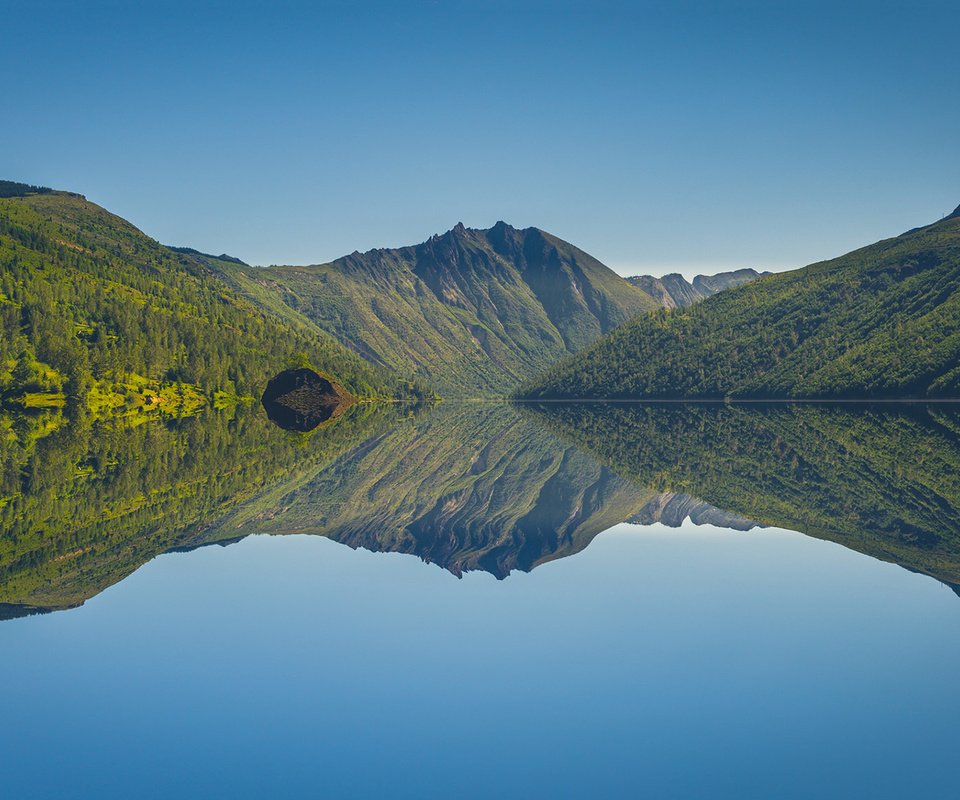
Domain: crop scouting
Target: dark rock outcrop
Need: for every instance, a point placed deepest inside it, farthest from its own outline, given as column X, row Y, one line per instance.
column 300, row 399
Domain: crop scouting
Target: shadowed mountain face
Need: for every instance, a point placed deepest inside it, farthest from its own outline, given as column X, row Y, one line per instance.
column 675, row 291
column 470, row 312
column 881, row 480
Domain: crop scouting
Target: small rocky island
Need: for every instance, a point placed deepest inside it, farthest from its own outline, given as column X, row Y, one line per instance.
column 300, row 399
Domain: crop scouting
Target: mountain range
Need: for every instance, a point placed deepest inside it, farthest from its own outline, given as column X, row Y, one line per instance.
column 468, row 486
column 675, row 291
column 89, row 302
column 471, row 312
column 94, row 311
column 464, row 486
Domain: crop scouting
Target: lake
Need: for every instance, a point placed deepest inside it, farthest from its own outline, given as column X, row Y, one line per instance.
column 482, row 600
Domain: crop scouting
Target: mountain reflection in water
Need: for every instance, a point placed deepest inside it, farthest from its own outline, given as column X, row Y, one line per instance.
column 467, row 487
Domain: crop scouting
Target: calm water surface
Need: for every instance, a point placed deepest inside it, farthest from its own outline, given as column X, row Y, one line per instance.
column 524, row 606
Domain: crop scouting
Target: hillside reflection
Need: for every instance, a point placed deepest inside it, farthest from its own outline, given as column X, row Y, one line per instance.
column 883, row 479
column 83, row 503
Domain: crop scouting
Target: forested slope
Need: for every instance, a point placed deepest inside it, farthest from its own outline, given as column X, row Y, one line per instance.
column 86, row 298
column 85, row 502
column 880, row 322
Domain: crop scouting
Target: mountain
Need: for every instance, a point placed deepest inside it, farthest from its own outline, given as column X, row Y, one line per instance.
column 675, row 291
column 470, row 312
column 880, row 322
column 90, row 303
column 673, row 509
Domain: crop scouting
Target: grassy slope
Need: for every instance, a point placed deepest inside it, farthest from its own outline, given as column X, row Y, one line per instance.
column 882, row 321
column 471, row 313
column 87, row 294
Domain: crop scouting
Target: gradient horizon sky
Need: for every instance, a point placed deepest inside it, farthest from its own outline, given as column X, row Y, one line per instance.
column 658, row 137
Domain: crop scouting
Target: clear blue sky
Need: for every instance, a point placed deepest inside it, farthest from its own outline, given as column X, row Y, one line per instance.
column 657, row 136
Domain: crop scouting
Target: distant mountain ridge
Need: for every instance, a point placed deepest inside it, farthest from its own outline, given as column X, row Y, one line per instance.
column 672, row 509
column 675, row 291
column 192, row 252
column 471, row 312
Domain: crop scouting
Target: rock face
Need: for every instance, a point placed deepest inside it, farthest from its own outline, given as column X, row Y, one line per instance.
column 675, row 291
column 300, row 399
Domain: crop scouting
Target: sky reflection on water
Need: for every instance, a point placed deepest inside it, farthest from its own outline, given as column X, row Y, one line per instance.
column 659, row 662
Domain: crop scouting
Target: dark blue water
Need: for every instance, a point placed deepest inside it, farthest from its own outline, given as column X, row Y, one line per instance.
column 659, row 662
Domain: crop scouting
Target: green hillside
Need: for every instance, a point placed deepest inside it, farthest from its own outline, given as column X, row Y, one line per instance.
column 470, row 313
column 882, row 321
column 87, row 301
